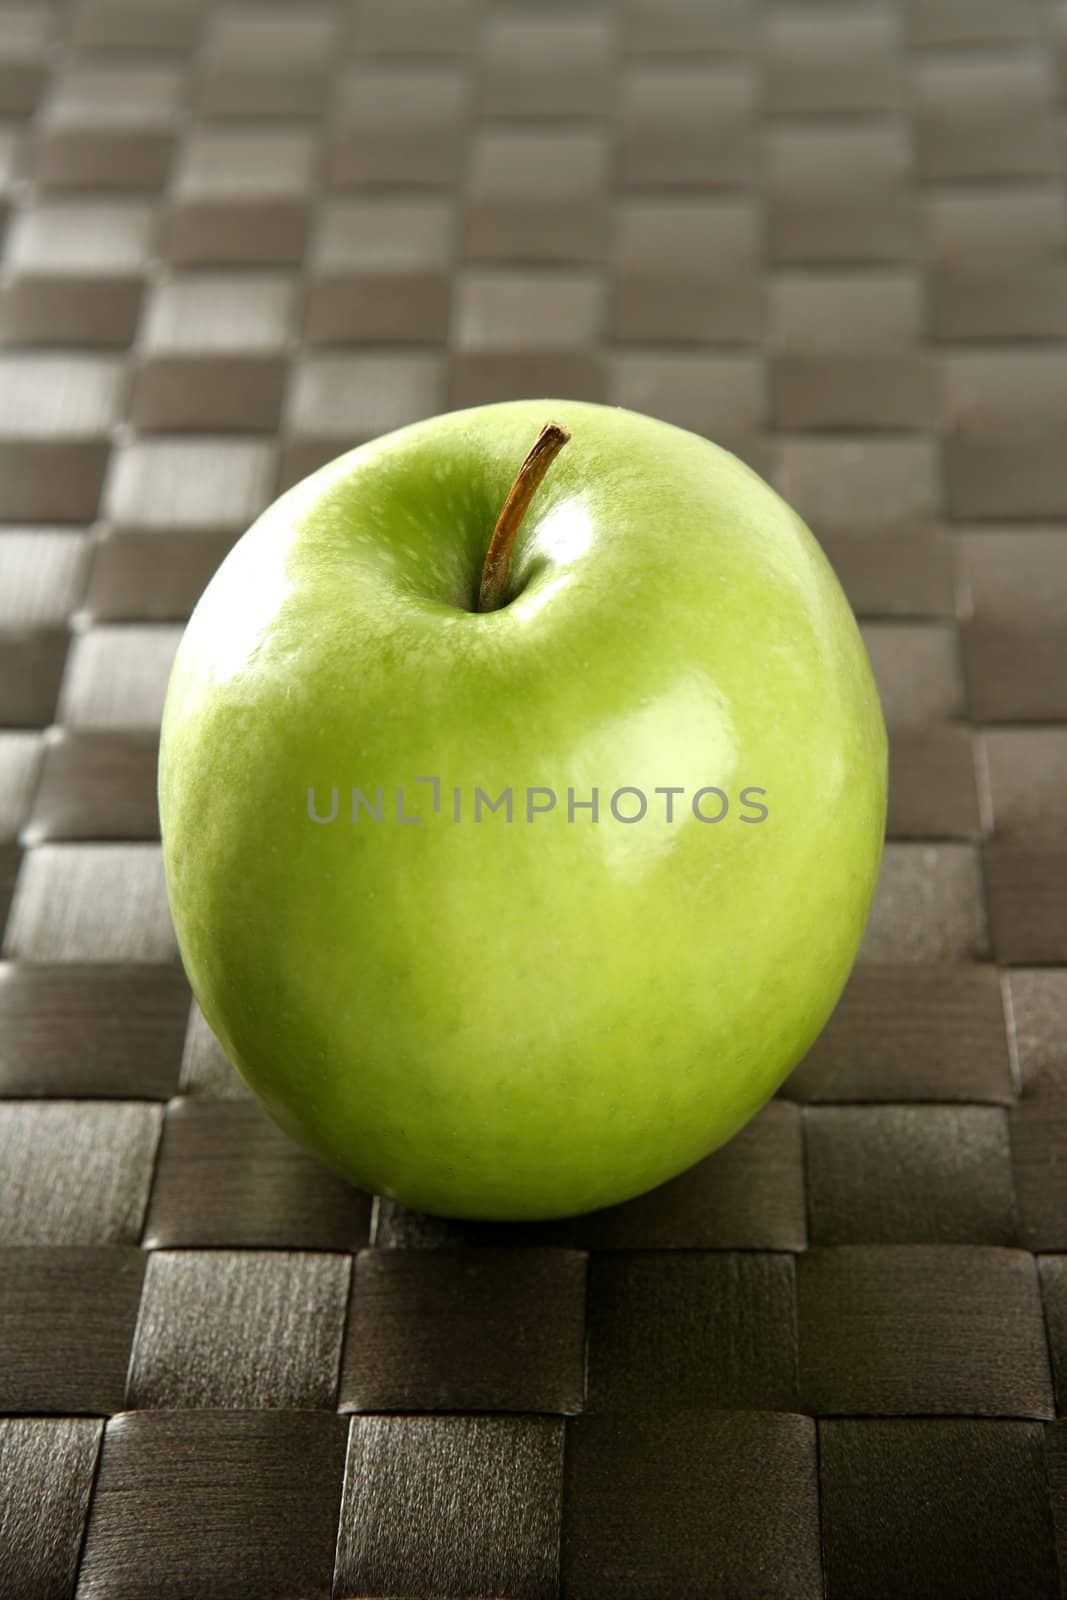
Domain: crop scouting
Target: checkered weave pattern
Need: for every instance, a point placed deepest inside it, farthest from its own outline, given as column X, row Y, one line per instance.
column 237, row 239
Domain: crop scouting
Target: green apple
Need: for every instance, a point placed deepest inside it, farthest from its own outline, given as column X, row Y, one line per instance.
column 436, row 965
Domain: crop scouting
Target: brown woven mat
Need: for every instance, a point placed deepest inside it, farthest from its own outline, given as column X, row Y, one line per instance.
column 236, row 239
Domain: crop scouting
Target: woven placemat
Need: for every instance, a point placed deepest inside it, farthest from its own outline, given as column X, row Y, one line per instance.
column 235, row 240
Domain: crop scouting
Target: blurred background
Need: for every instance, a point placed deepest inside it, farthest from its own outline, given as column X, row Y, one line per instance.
column 237, row 239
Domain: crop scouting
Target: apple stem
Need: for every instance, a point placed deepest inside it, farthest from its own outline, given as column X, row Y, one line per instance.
column 545, row 449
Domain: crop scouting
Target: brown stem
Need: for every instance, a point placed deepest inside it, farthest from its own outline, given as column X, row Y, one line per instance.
column 546, row 448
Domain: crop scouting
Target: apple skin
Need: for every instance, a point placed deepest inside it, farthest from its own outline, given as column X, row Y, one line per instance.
column 529, row 1020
